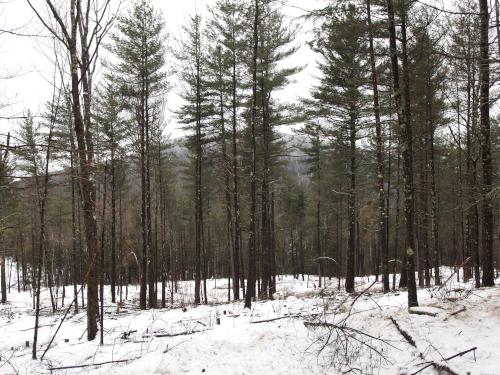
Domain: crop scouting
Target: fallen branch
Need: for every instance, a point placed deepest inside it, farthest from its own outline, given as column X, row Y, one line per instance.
column 40, row 326
column 458, row 311
column 126, row 334
column 60, row 323
column 177, row 334
column 403, row 333
column 91, row 364
column 345, row 329
column 363, row 292
column 462, row 353
column 274, row 319
column 454, row 272
column 443, row 367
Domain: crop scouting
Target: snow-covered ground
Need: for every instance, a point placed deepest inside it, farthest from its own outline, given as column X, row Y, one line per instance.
column 320, row 331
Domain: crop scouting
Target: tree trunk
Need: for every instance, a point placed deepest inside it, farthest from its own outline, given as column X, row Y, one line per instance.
column 404, row 122
column 113, row 221
column 253, row 178
column 487, row 177
column 198, row 176
column 381, row 231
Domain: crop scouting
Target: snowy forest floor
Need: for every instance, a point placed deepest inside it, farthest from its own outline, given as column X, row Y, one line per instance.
column 318, row 331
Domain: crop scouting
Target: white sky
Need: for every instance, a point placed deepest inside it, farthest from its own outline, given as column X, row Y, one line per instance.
column 24, row 57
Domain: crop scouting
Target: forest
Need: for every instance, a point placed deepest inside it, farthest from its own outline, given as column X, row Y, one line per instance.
column 381, row 178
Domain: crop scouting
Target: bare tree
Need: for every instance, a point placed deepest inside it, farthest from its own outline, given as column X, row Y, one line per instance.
column 80, row 28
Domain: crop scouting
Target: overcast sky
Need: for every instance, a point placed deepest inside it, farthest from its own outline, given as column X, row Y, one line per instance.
column 26, row 60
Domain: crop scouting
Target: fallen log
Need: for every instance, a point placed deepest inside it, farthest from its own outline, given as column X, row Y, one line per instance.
column 403, row 333
column 422, row 312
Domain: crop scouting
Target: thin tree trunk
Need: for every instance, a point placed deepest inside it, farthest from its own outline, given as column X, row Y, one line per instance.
column 41, row 246
column 351, row 243
column 101, row 267
column 198, row 175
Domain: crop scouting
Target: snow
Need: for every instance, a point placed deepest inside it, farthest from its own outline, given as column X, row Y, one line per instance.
column 239, row 345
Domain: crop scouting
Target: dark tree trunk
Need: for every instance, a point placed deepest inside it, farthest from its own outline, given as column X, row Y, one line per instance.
column 2, row 276
column 409, row 191
column 318, row 222
column 382, row 243
column 253, row 178
column 42, row 194
column 144, row 231
column 236, row 198
column 433, row 192
column 113, row 222
column 487, row 167
column 102, row 248
column 74, row 202
column 198, row 178
column 404, row 121
column 351, row 203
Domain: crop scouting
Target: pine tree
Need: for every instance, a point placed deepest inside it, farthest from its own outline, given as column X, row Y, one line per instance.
column 339, row 96
column 195, row 112
column 404, row 129
column 226, row 29
column 140, row 72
